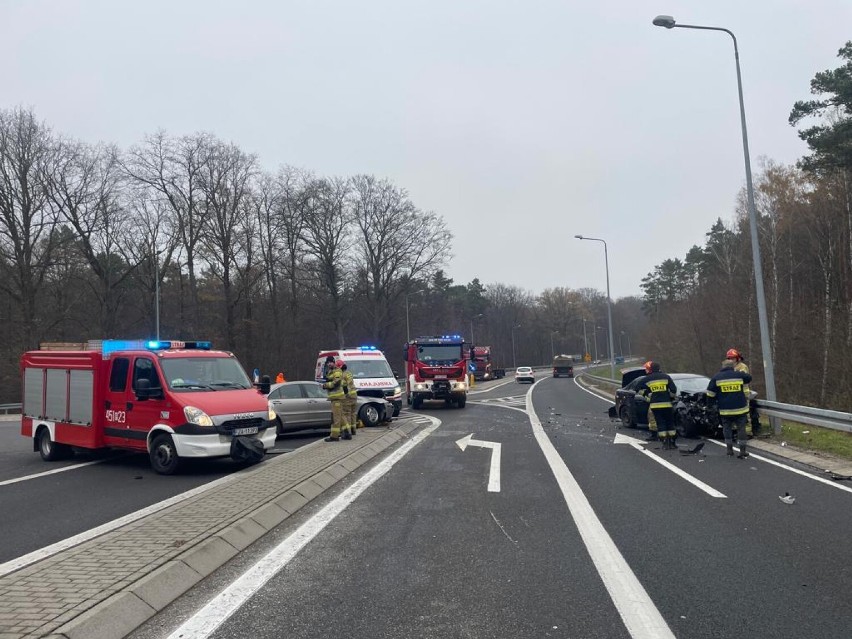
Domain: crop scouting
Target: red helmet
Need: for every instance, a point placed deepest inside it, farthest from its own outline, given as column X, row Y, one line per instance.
column 339, row 363
column 733, row 353
column 647, row 366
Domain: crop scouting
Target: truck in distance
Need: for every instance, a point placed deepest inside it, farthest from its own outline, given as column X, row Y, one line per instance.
column 482, row 365
column 563, row 365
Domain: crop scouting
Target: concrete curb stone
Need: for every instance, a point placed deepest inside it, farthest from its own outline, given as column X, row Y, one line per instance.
column 116, row 617
column 165, row 584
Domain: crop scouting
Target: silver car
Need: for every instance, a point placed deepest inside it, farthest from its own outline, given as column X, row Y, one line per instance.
column 304, row 405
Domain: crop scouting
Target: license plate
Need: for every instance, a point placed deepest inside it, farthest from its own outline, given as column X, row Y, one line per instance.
column 440, row 377
column 248, row 430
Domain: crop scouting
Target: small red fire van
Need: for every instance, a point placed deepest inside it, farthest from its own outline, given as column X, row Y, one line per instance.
column 170, row 399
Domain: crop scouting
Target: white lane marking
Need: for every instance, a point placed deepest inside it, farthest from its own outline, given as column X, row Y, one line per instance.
column 592, row 393
column 766, row 460
column 7, row 482
column 635, row 443
column 48, row 551
column 204, row 622
column 496, row 448
column 495, row 405
column 491, row 388
column 637, row 610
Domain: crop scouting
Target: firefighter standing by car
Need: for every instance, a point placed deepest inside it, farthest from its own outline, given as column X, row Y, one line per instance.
column 652, row 423
column 753, row 425
column 334, row 386
column 659, row 390
column 351, row 402
column 729, row 387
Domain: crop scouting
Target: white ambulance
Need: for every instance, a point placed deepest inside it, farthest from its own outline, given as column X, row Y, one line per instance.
column 370, row 370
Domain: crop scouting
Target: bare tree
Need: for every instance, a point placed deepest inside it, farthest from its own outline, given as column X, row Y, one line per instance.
column 27, row 224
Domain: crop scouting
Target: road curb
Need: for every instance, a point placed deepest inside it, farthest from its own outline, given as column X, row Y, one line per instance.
column 128, row 609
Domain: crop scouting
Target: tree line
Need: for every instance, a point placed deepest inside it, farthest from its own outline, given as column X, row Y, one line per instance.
column 191, row 234
column 704, row 303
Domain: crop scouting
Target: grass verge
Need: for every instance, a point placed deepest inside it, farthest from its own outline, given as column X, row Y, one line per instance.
column 814, row 438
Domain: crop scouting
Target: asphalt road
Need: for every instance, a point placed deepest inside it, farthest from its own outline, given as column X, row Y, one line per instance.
column 427, row 551
column 48, row 508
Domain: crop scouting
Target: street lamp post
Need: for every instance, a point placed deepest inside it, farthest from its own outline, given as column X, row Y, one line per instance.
column 769, row 370
column 585, row 340
column 407, row 322
column 595, row 339
column 514, row 361
column 621, row 344
column 552, row 352
column 608, row 302
column 475, row 317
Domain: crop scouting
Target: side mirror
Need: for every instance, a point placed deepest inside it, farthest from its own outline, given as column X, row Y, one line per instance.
column 395, row 373
column 143, row 389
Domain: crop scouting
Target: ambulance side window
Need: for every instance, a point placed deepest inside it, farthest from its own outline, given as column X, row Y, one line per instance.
column 118, row 374
column 143, row 368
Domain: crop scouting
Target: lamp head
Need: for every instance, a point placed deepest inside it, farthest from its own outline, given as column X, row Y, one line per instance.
column 579, row 237
column 664, row 21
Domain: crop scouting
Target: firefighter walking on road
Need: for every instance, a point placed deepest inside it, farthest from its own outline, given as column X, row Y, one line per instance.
column 351, row 401
column 753, row 423
column 729, row 387
column 659, row 390
column 334, row 386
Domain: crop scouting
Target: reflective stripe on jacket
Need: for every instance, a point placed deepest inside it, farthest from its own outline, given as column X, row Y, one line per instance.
column 661, row 389
column 729, row 387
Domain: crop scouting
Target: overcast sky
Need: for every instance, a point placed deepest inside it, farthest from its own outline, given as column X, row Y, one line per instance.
column 521, row 123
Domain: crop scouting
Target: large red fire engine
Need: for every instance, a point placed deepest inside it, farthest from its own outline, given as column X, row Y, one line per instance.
column 436, row 368
column 167, row 398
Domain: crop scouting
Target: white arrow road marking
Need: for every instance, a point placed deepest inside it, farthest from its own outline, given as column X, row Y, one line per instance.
column 494, row 473
column 624, row 439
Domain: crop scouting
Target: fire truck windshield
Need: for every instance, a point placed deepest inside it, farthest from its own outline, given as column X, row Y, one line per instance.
column 204, row 373
column 439, row 354
column 363, row 368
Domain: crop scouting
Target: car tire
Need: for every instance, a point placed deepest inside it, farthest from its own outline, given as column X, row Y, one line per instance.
column 49, row 449
column 396, row 410
column 279, row 426
column 626, row 419
column 163, row 455
column 369, row 415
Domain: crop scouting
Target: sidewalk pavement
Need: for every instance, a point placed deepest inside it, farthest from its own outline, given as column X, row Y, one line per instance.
column 818, row 461
column 106, row 587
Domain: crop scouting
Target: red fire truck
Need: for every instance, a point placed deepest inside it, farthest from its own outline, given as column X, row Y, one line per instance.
column 436, row 368
column 170, row 399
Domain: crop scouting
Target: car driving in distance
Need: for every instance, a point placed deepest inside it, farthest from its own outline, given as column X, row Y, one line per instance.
column 524, row 374
column 304, row 405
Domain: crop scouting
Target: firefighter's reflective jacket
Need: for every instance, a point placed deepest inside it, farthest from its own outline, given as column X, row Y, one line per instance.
column 659, row 389
column 729, row 387
column 349, row 385
column 334, row 385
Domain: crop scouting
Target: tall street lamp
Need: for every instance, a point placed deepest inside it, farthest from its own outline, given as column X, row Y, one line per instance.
column 407, row 322
column 608, row 303
column 475, row 317
column 585, row 340
column 514, row 361
column 552, row 352
column 769, row 370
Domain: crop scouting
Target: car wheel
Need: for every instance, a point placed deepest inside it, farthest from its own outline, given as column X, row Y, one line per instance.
column 396, row 410
column 279, row 426
column 369, row 415
column 164, row 457
column 49, row 449
column 626, row 420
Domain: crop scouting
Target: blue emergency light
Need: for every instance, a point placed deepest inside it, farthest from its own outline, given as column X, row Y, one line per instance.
column 368, row 348
column 113, row 345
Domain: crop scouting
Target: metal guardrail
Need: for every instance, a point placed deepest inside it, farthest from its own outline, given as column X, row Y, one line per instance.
column 832, row 419
column 7, row 408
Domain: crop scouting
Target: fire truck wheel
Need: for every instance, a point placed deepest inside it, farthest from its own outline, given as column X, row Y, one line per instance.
column 164, row 457
column 416, row 403
column 49, row 449
column 461, row 401
column 369, row 415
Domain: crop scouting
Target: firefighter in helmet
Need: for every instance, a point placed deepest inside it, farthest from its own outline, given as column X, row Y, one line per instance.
column 659, row 390
column 728, row 388
column 334, row 386
column 649, row 415
column 351, row 402
column 753, row 424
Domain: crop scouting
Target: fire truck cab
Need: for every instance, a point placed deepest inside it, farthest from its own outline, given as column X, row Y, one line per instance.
column 436, row 368
column 170, row 399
